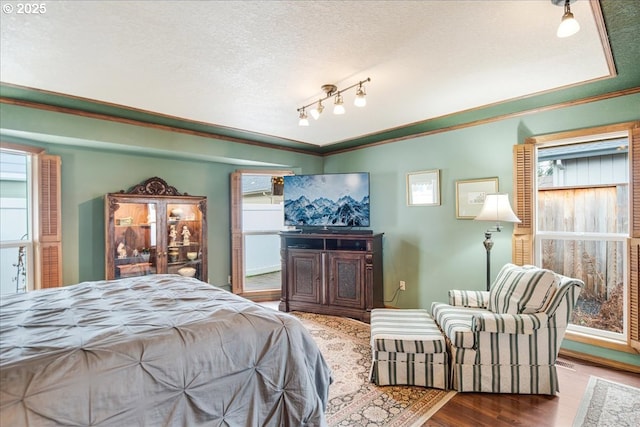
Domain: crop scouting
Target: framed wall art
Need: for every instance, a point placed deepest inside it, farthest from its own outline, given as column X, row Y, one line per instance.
column 470, row 195
column 423, row 188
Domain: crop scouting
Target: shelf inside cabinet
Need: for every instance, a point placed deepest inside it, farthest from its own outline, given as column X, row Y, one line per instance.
column 186, row 262
column 137, row 269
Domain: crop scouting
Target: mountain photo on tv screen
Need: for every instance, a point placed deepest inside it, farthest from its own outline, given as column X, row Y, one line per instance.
column 327, row 200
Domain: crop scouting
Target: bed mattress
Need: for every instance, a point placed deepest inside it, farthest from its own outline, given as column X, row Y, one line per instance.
column 159, row 350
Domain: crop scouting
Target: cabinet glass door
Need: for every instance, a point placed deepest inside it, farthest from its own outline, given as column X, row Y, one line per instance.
column 184, row 239
column 135, row 240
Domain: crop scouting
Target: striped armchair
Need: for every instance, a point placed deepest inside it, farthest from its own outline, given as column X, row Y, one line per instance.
column 506, row 340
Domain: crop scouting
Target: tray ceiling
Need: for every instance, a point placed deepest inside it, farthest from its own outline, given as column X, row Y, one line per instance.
column 247, row 66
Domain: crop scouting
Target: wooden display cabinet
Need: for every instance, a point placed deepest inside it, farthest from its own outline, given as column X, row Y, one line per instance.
column 154, row 229
column 336, row 274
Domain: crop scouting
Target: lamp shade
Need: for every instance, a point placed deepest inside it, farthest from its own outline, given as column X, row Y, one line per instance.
column 568, row 26
column 315, row 113
column 304, row 121
column 338, row 105
column 361, row 98
column 497, row 208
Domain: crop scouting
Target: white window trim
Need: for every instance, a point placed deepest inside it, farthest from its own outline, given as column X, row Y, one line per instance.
column 618, row 237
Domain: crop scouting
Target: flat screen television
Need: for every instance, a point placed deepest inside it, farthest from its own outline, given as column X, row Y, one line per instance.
column 326, row 200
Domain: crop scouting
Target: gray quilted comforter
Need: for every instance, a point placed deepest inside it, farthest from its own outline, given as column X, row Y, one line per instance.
column 160, row 350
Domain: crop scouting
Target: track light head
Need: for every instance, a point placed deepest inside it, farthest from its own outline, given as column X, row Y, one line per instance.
column 304, row 120
column 315, row 113
column 568, row 24
column 338, row 105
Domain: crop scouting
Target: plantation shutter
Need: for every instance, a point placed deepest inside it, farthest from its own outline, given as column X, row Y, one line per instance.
column 237, row 244
column 634, row 173
column 633, row 327
column 633, row 247
column 48, row 208
column 523, row 184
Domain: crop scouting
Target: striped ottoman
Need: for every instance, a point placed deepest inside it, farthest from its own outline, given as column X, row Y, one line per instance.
column 407, row 349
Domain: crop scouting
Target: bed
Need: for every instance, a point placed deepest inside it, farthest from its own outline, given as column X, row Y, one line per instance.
column 160, row 350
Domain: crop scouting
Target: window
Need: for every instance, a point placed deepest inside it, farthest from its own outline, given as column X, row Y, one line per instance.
column 30, row 227
column 583, row 224
column 16, row 244
column 604, row 241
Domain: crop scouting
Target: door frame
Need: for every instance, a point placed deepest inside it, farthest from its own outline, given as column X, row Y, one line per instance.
column 237, row 235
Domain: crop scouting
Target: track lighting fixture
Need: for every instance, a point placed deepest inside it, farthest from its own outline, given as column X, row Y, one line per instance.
column 331, row 90
column 568, row 25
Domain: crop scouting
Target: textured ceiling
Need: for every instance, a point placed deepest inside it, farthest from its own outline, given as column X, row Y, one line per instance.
column 242, row 68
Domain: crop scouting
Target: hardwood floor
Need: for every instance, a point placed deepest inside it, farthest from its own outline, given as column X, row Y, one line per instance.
column 502, row 410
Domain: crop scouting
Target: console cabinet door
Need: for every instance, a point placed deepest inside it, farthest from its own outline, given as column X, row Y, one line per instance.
column 304, row 269
column 334, row 274
column 346, row 287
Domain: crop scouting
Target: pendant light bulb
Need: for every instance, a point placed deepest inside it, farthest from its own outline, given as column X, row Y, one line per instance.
column 315, row 113
column 304, row 120
column 338, row 107
column 568, row 25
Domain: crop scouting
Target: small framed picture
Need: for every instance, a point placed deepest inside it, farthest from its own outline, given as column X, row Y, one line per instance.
column 423, row 188
column 470, row 195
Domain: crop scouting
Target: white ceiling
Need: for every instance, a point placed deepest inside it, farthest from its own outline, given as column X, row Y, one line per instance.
column 250, row 64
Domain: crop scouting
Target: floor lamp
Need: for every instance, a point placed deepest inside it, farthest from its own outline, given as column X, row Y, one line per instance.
column 496, row 208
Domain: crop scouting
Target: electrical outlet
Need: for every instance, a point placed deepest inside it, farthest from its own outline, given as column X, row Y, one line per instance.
column 228, row 280
column 403, row 285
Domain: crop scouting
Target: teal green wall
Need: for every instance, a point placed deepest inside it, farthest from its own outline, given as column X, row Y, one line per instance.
column 88, row 174
column 602, row 353
column 427, row 246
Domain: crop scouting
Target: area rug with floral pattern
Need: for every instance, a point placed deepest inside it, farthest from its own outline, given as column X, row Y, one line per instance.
column 606, row 404
column 353, row 400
